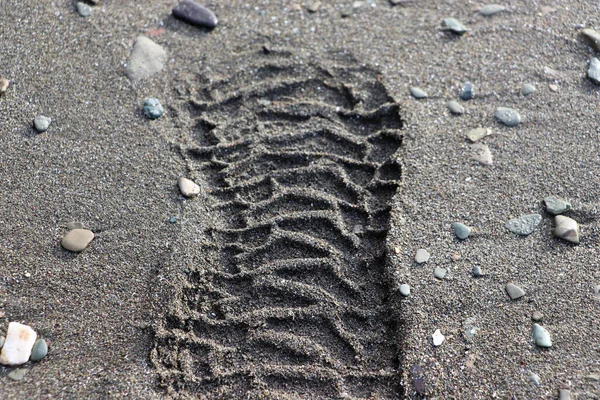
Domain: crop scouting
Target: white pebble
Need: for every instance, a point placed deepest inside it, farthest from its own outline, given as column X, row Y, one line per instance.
column 18, row 344
column 188, row 188
column 438, row 338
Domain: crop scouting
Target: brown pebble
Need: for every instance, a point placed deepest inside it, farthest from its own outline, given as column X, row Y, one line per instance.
column 77, row 240
column 537, row 316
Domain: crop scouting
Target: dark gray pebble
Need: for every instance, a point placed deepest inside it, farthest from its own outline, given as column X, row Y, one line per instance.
column 195, row 14
column 467, row 92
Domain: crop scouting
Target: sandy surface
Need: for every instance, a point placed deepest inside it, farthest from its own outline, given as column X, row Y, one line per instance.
column 130, row 316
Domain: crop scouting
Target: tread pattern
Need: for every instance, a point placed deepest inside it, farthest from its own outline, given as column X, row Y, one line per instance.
column 299, row 159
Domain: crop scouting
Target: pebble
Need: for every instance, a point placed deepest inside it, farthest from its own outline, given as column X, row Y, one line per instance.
column 74, row 225
column 77, row 240
column 461, row 230
column 17, row 374
column 404, row 290
column 592, row 37
column 537, row 316
column 597, row 292
column 438, row 338
column 556, row 206
column 564, row 394
column 593, row 377
column 554, row 88
column 467, row 91
column 541, row 336
column 594, row 71
column 418, row 93
column 477, row 271
column 507, row 116
column 422, row 256
column 418, row 379
column 314, row 7
column 528, row 89
column 152, row 108
column 478, row 133
column 455, row 108
column 4, row 85
column 491, row 9
column 482, row 154
column 41, row 123
column 188, row 188
column 173, row 220
column 18, row 344
column 147, row 59
column 524, row 225
column 439, row 272
column 453, row 25
column 566, row 229
column 195, row 14
column 83, row 9
column 534, row 378
column 39, row 350
column 514, row 292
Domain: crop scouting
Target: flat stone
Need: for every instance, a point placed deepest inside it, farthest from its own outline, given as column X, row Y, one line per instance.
column 74, row 225
column 528, row 89
column 594, row 71
column 18, row 344
column 83, row 9
column 195, row 14
column 438, row 338
column 439, row 273
column 514, row 292
column 477, row 271
column 535, row 379
column 478, row 133
column 592, row 377
column 422, row 256
column 482, row 154
column 147, row 59
column 77, row 240
column 537, row 316
column 3, row 85
column 552, row 87
column 524, row 225
column 467, row 92
column 39, row 350
column 453, row 25
column 41, row 123
column 592, row 37
column 152, row 108
column 556, row 206
column 507, row 116
column 541, row 336
column 566, row 228
column 564, row 394
column 455, row 107
column 490, row 9
column 404, row 290
column 188, row 188
column 461, row 230
column 17, row 374
column 314, row 7
column 418, row 93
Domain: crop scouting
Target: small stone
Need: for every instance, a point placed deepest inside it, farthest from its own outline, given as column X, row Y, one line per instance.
column 507, row 116
column 461, row 230
column 478, row 133
column 564, row 394
column 188, row 188
column 418, row 93
column 566, row 229
column 470, row 329
column 528, row 89
column 592, row 377
column 18, row 344
column 439, row 273
column 594, row 71
column 404, row 290
column 418, row 379
column 41, row 123
column 83, row 9
column 422, row 256
column 491, row 9
column 453, row 25
column 514, row 292
column 541, row 336
column 173, row 220
column 597, row 292
column 535, row 379
column 74, row 225
column 438, row 338
column 556, row 206
column 314, row 7
column 147, row 59
column 537, row 316
column 358, row 229
column 195, row 14
column 482, row 154
column 455, row 107
column 77, row 240
column 477, row 271
column 3, row 85
column 27, row 274
column 295, row 7
column 592, row 37
column 552, row 87
column 17, row 374
column 467, row 92
column 152, row 108
column 524, row 225
column 357, row 4
column 39, row 350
